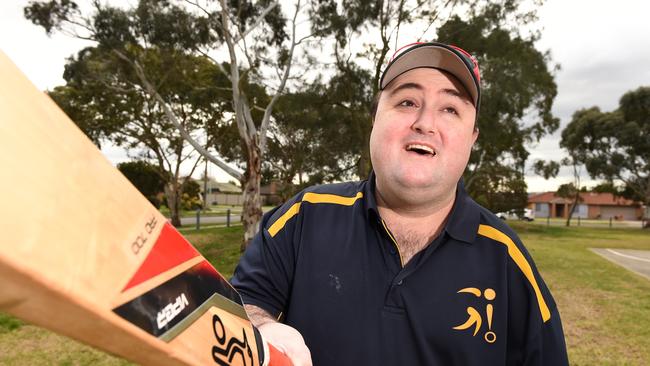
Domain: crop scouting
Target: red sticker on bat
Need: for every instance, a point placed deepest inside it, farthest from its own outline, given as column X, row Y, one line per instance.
column 170, row 250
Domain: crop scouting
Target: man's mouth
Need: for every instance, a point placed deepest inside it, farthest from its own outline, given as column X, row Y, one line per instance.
column 421, row 149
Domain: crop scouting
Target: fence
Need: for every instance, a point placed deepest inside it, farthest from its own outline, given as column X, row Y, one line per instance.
column 578, row 221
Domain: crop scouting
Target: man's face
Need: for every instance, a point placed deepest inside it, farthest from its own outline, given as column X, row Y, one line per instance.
column 423, row 132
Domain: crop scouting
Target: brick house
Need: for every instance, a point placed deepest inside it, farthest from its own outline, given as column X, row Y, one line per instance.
column 592, row 206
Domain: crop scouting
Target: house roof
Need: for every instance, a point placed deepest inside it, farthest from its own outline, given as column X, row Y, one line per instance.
column 225, row 187
column 589, row 198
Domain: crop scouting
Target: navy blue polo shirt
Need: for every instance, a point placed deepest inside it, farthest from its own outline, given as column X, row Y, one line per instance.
column 326, row 264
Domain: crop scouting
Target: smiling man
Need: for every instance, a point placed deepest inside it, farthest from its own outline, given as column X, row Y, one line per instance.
column 403, row 268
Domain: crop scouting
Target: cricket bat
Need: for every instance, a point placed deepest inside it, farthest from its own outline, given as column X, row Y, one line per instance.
column 84, row 254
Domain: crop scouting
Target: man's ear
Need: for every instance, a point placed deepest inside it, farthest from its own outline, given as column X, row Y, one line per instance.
column 475, row 135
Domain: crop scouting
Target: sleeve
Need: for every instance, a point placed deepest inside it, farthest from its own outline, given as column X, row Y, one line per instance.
column 534, row 341
column 264, row 274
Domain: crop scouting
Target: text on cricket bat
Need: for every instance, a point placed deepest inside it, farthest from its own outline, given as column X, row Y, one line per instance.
column 142, row 238
column 169, row 312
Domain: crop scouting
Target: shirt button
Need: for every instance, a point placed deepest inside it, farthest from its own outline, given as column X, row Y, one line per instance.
column 399, row 283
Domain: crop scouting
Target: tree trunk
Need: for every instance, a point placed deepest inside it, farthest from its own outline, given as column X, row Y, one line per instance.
column 573, row 207
column 252, row 210
column 173, row 202
column 365, row 164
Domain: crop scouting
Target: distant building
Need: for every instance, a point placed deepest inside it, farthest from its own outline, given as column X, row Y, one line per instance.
column 271, row 193
column 591, row 206
column 230, row 194
column 222, row 193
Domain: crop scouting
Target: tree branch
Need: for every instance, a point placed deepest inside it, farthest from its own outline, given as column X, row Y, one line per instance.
column 257, row 21
column 173, row 119
column 269, row 108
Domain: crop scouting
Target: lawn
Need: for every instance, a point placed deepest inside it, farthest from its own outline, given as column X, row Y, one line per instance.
column 605, row 309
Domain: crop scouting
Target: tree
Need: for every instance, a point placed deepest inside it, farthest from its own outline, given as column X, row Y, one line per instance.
column 615, row 145
column 517, row 80
column 572, row 190
column 146, row 177
column 310, row 140
column 169, row 25
column 377, row 26
column 107, row 100
column 191, row 194
column 547, row 169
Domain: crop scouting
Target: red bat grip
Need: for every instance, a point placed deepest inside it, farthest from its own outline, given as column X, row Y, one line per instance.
column 277, row 358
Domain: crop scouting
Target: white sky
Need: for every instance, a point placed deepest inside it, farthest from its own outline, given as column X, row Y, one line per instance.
column 603, row 48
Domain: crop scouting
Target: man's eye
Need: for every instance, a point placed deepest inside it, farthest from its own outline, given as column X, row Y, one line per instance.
column 406, row 103
column 451, row 110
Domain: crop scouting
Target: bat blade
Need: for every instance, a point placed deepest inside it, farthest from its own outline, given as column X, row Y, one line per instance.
column 84, row 254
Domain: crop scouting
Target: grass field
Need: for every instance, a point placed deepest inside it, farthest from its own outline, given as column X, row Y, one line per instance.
column 605, row 309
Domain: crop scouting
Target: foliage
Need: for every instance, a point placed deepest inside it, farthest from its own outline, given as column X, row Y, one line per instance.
column 517, row 79
column 108, row 101
column 567, row 190
column 140, row 71
column 546, row 169
column 615, row 145
column 500, row 188
column 191, row 194
column 311, row 139
column 146, row 177
column 516, row 83
column 363, row 34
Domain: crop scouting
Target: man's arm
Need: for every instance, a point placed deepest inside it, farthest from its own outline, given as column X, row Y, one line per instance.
column 283, row 337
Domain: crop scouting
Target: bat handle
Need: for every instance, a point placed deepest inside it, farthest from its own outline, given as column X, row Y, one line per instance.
column 277, row 358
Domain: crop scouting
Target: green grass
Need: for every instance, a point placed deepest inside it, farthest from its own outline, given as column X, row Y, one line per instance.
column 605, row 309
column 212, row 211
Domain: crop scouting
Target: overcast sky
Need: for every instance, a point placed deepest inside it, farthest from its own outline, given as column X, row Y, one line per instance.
column 603, row 48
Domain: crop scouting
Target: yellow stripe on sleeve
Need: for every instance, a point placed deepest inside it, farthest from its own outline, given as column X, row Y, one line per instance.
column 519, row 259
column 279, row 224
column 311, row 198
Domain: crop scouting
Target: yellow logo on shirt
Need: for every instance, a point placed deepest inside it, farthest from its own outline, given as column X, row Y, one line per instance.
column 475, row 318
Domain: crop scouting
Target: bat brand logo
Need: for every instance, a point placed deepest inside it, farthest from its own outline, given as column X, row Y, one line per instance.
column 169, row 312
column 228, row 348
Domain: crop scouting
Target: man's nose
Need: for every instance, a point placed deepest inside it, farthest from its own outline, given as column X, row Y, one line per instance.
column 426, row 121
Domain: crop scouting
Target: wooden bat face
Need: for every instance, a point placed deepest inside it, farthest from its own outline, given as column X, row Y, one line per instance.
column 83, row 253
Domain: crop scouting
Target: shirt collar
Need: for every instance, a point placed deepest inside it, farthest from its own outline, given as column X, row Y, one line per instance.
column 463, row 219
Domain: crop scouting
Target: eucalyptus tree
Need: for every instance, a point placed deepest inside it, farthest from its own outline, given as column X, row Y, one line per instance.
column 104, row 97
column 518, row 85
column 615, row 146
column 258, row 38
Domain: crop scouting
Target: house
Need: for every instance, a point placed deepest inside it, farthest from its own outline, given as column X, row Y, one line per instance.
column 222, row 193
column 591, row 206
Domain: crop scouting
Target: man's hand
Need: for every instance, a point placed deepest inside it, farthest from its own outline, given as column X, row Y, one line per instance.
column 283, row 337
column 288, row 341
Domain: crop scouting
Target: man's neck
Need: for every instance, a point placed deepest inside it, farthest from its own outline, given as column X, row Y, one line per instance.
column 414, row 204
column 414, row 224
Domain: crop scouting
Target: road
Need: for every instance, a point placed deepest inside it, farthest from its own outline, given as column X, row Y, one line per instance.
column 637, row 261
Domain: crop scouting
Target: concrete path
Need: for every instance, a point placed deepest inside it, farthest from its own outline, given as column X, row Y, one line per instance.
column 637, row 261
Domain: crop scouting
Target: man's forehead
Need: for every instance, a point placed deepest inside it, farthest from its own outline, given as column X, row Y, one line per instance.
column 422, row 78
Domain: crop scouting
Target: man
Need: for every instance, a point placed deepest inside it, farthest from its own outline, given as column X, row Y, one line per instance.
column 404, row 268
